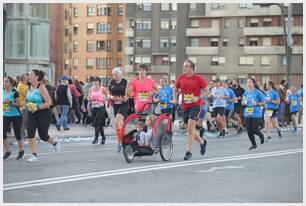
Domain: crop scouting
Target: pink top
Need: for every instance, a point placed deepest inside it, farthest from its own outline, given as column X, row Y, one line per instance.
column 97, row 97
column 141, row 92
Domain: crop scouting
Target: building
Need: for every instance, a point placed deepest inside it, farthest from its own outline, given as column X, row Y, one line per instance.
column 241, row 40
column 92, row 40
column 27, row 39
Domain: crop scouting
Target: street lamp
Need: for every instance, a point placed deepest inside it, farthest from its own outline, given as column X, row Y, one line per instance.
column 287, row 44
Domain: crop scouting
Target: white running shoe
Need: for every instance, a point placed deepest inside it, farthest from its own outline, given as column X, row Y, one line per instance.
column 57, row 147
column 32, row 158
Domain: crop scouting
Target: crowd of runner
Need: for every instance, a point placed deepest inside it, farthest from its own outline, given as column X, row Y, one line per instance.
column 31, row 103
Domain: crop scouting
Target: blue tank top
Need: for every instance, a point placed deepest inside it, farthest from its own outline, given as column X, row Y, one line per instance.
column 35, row 97
column 8, row 109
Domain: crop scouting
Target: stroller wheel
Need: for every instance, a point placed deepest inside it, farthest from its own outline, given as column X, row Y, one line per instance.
column 128, row 153
column 166, row 147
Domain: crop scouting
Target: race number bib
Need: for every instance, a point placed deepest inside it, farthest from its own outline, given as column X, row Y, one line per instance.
column 294, row 102
column 143, row 96
column 210, row 108
column 269, row 112
column 188, row 98
column 163, row 105
column 6, row 106
column 249, row 111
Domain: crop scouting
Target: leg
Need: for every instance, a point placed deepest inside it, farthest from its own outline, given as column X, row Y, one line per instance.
column 255, row 127
column 32, row 124
column 17, row 122
column 248, row 124
column 268, row 125
column 293, row 119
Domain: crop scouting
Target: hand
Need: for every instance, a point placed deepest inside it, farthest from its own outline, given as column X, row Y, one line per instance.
column 35, row 108
column 174, row 101
column 125, row 98
column 195, row 99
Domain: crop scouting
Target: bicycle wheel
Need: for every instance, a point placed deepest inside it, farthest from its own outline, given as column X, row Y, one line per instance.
column 128, row 153
column 166, row 147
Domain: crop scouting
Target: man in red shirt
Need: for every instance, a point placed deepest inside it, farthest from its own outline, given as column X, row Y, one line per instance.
column 191, row 85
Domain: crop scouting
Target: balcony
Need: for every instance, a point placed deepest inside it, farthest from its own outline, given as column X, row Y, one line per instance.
column 271, row 50
column 269, row 31
column 203, row 32
column 202, row 50
column 129, row 33
column 160, row 69
column 129, row 50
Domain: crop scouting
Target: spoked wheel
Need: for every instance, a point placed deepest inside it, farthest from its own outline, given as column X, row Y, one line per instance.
column 128, row 153
column 166, row 147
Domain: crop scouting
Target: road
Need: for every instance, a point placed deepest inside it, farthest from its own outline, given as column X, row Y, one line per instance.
column 227, row 173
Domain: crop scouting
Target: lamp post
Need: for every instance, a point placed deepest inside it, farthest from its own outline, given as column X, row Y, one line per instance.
column 287, row 37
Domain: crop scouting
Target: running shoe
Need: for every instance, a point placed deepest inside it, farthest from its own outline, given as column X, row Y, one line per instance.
column 6, row 155
column 20, row 155
column 294, row 130
column 57, row 147
column 103, row 140
column 203, row 147
column 253, row 147
column 188, row 156
column 95, row 141
column 279, row 133
column 269, row 139
column 32, row 158
column 58, row 127
column 262, row 139
column 119, row 148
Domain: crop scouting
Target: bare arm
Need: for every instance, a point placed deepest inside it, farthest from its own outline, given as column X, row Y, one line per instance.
column 45, row 96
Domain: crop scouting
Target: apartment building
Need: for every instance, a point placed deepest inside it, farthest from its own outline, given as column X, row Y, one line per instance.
column 241, row 40
column 92, row 40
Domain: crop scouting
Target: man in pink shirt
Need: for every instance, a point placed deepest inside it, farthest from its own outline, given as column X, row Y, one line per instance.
column 142, row 87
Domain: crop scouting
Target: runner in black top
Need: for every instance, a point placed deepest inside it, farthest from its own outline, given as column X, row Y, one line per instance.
column 117, row 87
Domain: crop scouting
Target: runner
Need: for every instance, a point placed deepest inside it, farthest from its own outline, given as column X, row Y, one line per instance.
column 11, row 114
column 253, row 99
column 39, row 114
column 143, row 89
column 191, row 85
column 294, row 102
column 271, row 112
column 97, row 94
column 219, row 95
column 117, row 87
column 165, row 96
column 238, row 109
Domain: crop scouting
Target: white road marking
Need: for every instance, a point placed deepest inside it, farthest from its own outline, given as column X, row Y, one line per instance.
column 93, row 175
column 221, row 168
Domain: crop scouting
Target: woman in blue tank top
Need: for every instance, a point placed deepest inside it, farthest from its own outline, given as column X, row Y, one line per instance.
column 11, row 114
column 39, row 116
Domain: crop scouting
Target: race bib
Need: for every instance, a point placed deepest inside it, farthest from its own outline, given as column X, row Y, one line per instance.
column 188, row 98
column 163, row 105
column 294, row 102
column 6, row 106
column 269, row 113
column 143, row 96
column 249, row 110
column 210, row 108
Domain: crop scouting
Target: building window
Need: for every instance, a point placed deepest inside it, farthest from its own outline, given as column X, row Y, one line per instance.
column 240, row 23
column 195, row 23
column 131, row 60
column 119, row 46
column 66, row 66
column 192, row 6
column 39, row 10
column 246, row 60
column 194, row 42
column 90, row 28
column 253, row 41
column 66, row 31
column 75, row 63
column 173, row 24
column 15, row 40
column 66, row 14
column 120, row 10
column 217, row 61
column 90, row 11
column 146, row 43
column 214, row 42
column 101, row 46
column 267, row 22
column 75, row 12
column 103, row 63
column 264, row 60
column 75, row 29
column 226, row 23
column 146, row 25
column 75, row 46
column 266, row 41
column 66, row 47
column 217, row 6
column 143, row 60
column 173, row 42
column 39, row 47
column 164, row 24
column 14, row 10
column 164, row 7
column 225, row 42
column 90, row 46
column 108, row 45
column 147, row 7
column 164, row 43
column 165, row 60
column 89, row 63
column 172, row 59
column 103, row 28
column 254, row 22
column 241, row 41
column 174, row 6
column 119, row 62
column 120, row 28
column 104, row 10
column 284, row 60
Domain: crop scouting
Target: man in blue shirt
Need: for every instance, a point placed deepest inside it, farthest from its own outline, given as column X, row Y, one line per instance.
column 294, row 102
column 219, row 95
column 165, row 96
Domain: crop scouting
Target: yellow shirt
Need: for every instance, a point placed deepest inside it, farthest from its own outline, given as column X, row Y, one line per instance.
column 22, row 90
